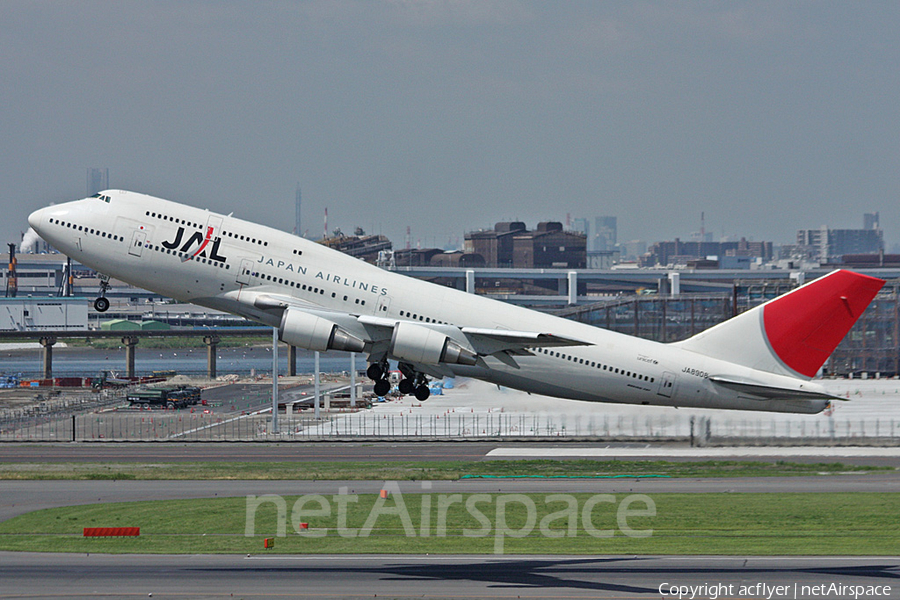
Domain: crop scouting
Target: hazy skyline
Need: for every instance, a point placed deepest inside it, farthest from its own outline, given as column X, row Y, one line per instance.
column 449, row 116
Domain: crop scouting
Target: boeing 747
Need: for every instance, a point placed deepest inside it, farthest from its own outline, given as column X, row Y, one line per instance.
column 320, row 299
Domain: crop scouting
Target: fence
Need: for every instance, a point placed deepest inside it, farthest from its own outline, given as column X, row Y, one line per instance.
column 184, row 426
column 51, row 419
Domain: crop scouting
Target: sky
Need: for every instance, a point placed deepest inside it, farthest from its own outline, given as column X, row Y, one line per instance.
column 447, row 116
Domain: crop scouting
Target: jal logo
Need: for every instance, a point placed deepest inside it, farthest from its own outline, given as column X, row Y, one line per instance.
column 196, row 238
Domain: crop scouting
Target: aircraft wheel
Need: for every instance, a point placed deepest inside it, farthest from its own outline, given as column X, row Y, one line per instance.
column 101, row 304
column 406, row 386
column 375, row 372
column 422, row 393
column 382, row 387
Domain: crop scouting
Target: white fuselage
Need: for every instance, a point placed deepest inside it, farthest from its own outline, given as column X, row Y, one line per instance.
column 140, row 239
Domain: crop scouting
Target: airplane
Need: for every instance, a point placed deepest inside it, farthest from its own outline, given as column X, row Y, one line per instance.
column 764, row 359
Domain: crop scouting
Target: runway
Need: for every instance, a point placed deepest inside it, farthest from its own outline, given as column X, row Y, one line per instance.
column 271, row 576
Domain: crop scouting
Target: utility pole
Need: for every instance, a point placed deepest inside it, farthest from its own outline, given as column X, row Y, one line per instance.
column 12, row 281
column 274, row 380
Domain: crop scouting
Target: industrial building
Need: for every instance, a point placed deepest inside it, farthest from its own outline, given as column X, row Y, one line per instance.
column 494, row 245
column 362, row 246
column 512, row 245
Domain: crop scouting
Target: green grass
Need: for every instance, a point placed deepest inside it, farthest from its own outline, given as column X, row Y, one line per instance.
column 436, row 470
column 757, row 524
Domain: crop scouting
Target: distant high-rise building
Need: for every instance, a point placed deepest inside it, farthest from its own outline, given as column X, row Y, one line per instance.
column 97, row 181
column 678, row 252
column 633, row 249
column 604, row 233
column 830, row 244
column 871, row 221
column 584, row 226
column 298, row 230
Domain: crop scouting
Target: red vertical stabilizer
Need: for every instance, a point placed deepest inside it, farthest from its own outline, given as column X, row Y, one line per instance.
column 806, row 325
column 793, row 334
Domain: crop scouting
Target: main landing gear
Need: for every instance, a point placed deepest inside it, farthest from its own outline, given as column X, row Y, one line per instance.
column 378, row 372
column 412, row 382
column 101, row 304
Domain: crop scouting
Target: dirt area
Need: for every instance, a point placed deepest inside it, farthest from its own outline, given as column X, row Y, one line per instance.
column 24, row 397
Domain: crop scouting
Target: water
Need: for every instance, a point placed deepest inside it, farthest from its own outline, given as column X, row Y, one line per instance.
column 77, row 362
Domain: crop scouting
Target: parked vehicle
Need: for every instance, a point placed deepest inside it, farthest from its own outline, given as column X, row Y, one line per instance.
column 168, row 397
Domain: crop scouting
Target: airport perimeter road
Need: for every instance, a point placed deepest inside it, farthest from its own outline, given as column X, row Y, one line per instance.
column 307, row 451
column 272, row 576
column 19, row 497
column 241, row 452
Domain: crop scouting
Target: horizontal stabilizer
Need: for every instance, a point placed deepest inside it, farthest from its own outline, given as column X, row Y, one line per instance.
column 771, row 393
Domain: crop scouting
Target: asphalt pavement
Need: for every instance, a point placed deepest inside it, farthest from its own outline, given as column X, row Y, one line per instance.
column 28, row 575
column 425, row 451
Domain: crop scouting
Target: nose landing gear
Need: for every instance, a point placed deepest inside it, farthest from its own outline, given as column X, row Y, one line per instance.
column 101, row 304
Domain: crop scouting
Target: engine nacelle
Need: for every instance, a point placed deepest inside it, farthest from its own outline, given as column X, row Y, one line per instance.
column 417, row 344
column 303, row 330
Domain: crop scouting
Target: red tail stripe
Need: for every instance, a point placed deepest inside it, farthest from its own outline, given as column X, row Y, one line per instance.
column 805, row 326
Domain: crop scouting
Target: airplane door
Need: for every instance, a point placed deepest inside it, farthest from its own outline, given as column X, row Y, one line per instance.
column 137, row 243
column 243, row 275
column 384, row 303
column 666, row 385
column 214, row 223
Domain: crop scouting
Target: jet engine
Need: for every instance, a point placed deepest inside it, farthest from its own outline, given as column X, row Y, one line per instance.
column 304, row 330
column 417, row 344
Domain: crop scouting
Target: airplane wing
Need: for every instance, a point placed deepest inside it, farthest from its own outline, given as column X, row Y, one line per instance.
column 380, row 334
column 486, row 341
column 770, row 392
column 513, row 340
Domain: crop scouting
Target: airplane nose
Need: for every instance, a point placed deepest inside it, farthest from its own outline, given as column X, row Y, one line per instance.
column 36, row 218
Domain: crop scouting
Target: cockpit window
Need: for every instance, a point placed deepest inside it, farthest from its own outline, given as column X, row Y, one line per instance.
column 100, row 196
